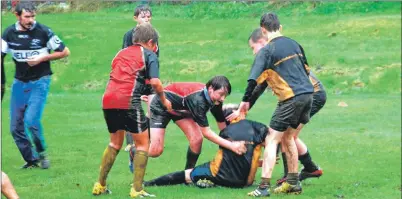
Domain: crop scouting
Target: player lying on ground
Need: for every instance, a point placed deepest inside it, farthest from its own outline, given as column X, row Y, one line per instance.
column 227, row 168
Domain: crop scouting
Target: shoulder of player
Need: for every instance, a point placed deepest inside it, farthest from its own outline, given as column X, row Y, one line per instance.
column 44, row 29
column 129, row 33
column 150, row 54
column 8, row 30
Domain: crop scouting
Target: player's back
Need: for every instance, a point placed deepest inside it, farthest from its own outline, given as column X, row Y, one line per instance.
column 239, row 170
column 127, row 77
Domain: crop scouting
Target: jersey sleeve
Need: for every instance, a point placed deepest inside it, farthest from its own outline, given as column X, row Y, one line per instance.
column 4, row 44
column 217, row 112
column 54, row 42
column 152, row 65
column 261, row 62
column 257, row 92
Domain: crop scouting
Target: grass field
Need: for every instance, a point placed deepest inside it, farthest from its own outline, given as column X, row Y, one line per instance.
column 359, row 146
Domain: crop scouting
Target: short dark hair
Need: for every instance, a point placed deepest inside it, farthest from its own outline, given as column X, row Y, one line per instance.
column 219, row 82
column 270, row 22
column 145, row 32
column 142, row 8
column 228, row 109
column 256, row 35
column 25, row 5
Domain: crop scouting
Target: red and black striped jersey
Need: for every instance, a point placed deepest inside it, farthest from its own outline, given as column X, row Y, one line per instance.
column 131, row 67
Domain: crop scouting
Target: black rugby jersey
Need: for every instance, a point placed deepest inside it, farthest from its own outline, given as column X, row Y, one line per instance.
column 282, row 64
column 239, row 170
column 37, row 41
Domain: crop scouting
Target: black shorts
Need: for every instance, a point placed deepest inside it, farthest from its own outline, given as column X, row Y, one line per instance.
column 160, row 117
column 292, row 112
column 319, row 99
column 131, row 120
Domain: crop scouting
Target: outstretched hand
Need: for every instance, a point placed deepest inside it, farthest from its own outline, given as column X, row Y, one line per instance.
column 239, row 147
column 233, row 116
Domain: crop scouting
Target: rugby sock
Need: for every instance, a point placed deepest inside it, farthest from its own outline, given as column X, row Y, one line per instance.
column 292, row 178
column 191, row 159
column 285, row 164
column 265, row 183
column 308, row 164
column 168, row 179
column 108, row 158
column 140, row 164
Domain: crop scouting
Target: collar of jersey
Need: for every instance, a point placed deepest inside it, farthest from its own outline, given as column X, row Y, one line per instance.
column 18, row 26
column 274, row 35
column 207, row 96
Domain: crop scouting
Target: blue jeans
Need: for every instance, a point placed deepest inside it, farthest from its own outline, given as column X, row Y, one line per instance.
column 28, row 100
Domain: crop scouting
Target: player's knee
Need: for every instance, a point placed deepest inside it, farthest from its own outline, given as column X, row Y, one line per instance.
column 155, row 151
column 31, row 122
column 196, row 142
column 116, row 146
column 4, row 177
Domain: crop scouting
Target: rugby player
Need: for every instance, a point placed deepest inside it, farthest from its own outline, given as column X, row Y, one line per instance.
column 227, row 169
column 142, row 14
column 122, row 108
column 281, row 63
column 191, row 102
column 257, row 41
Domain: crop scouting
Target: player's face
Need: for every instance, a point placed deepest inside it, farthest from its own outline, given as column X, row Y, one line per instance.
column 256, row 46
column 217, row 96
column 26, row 19
column 143, row 17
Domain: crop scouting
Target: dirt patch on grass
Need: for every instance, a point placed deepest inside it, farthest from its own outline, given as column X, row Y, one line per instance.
column 197, row 66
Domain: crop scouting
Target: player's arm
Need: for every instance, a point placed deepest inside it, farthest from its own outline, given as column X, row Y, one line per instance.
column 198, row 113
column 56, row 45
column 304, row 59
column 237, row 147
column 4, row 50
column 3, row 76
column 217, row 112
column 53, row 56
column 261, row 61
column 258, row 91
column 153, row 74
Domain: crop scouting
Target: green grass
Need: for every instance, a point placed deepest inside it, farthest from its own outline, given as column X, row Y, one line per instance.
column 365, row 48
column 359, row 147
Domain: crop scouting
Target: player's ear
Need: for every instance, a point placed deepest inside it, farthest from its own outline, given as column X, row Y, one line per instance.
column 280, row 28
column 151, row 43
column 135, row 18
column 264, row 31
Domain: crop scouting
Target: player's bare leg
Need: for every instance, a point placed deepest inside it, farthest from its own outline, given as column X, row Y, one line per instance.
column 292, row 184
column 157, row 142
column 7, row 188
column 194, row 137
